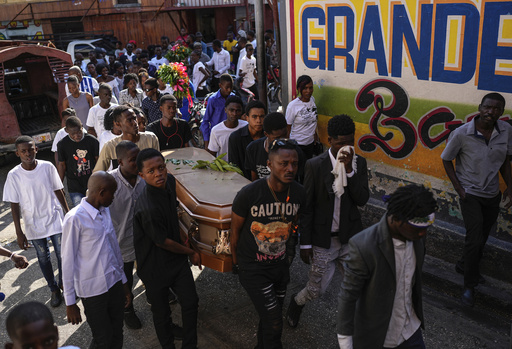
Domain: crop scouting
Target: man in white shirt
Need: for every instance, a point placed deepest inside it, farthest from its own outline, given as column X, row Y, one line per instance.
column 332, row 218
column 247, row 71
column 251, row 38
column 380, row 303
column 220, row 62
column 219, row 137
column 93, row 266
column 158, row 60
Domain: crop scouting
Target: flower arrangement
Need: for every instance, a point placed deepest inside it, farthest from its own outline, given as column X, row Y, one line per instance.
column 175, row 74
column 178, row 53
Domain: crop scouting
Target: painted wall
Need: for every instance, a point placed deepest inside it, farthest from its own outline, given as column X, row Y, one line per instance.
column 408, row 71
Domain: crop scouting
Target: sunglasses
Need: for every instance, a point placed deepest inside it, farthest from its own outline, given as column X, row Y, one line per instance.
column 149, row 89
column 282, row 142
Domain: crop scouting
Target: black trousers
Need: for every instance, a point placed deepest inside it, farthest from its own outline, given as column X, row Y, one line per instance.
column 479, row 216
column 308, row 150
column 179, row 278
column 254, row 89
column 267, row 289
column 105, row 315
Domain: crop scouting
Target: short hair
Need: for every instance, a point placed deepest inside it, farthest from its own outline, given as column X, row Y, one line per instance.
column 108, row 119
column 75, row 67
column 287, row 144
column 164, row 37
column 242, row 40
column 340, row 125
column 73, row 122
column 158, row 46
column 118, row 111
column 248, row 45
column 250, row 33
column 100, row 67
column 226, row 77
column 104, row 86
column 23, row 139
column 73, row 79
column 197, row 44
column 255, row 104
column 129, row 77
column 68, row 112
column 88, row 64
column 118, row 65
column 119, row 42
column 302, row 81
column 167, row 98
column 123, row 147
column 217, row 43
column 147, row 154
column 494, row 96
column 234, row 99
column 24, row 314
column 151, row 82
column 273, row 122
column 411, row 201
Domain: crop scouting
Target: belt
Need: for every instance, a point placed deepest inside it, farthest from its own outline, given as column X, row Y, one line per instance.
column 335, row 233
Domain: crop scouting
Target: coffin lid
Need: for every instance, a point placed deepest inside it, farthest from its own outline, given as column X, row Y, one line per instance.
column 206, row 194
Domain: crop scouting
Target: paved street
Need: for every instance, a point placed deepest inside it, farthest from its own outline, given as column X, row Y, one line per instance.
column 227, row 318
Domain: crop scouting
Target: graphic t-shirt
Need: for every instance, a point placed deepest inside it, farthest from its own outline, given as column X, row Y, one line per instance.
column 303, row 118
column 172, row 137
column 247, row 66
column 256, row 158
column 268, row 223
column 80, row 159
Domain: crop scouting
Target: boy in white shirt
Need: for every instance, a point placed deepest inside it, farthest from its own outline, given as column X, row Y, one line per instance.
column 247, row 70
column 97, row 113
column 93, row 266
column 158, row 60
column 219, row 136
column 199, row 75
column 35, row 190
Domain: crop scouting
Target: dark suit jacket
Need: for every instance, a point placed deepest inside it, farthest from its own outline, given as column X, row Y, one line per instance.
column 316, row 223
column 368, row 289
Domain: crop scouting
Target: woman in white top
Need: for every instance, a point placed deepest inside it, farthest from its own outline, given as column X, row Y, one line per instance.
column 302, row 115
column 103, row 76
column 131, row 94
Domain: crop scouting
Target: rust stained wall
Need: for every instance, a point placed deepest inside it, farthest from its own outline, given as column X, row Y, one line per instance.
column 140, row 27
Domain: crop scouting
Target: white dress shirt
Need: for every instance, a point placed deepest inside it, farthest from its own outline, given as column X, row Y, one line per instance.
column 337, row 202
column 220, row 62
column 91, row 258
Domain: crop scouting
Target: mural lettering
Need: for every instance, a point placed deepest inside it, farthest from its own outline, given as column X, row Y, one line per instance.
column 452, row 42
column 394, row 115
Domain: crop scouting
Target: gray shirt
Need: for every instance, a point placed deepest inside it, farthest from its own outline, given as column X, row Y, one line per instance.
column 121, row 212
column 477, row 163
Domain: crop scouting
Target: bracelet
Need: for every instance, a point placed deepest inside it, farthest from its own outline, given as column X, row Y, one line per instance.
column 12, row 254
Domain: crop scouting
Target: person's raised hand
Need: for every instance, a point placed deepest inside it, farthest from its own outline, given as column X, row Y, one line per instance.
column 346, row 159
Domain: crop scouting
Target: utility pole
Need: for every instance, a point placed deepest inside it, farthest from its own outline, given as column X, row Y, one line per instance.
column 261, row 62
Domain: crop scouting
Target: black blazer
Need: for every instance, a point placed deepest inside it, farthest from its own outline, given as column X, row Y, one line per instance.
column 316, row 223
column 367, row 295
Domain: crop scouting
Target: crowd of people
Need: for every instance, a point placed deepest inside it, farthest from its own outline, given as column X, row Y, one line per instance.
column 123, row 205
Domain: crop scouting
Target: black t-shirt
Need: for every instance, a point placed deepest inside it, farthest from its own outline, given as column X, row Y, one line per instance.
column 237, row 144
column 172, row 137
column 80, row 158
column 155, row 219
column 262, row 239
column 256, row 159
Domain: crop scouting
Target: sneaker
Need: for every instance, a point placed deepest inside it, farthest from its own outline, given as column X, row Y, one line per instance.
column 468, row 297
column 131, row 320
column 293, row 313
column 56, row 298
column 177, row 332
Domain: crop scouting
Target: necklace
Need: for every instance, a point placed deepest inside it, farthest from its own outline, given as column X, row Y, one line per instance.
column 280, row 212
column 174, row 134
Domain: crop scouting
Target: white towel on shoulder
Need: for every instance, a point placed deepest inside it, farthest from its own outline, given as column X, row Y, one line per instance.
column 339, row 172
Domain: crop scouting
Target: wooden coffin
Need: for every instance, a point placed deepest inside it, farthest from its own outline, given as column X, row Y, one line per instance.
column 205, row 198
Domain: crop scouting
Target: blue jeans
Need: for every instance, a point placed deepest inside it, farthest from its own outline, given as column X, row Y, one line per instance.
column 76, row 198
column 43, row 256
